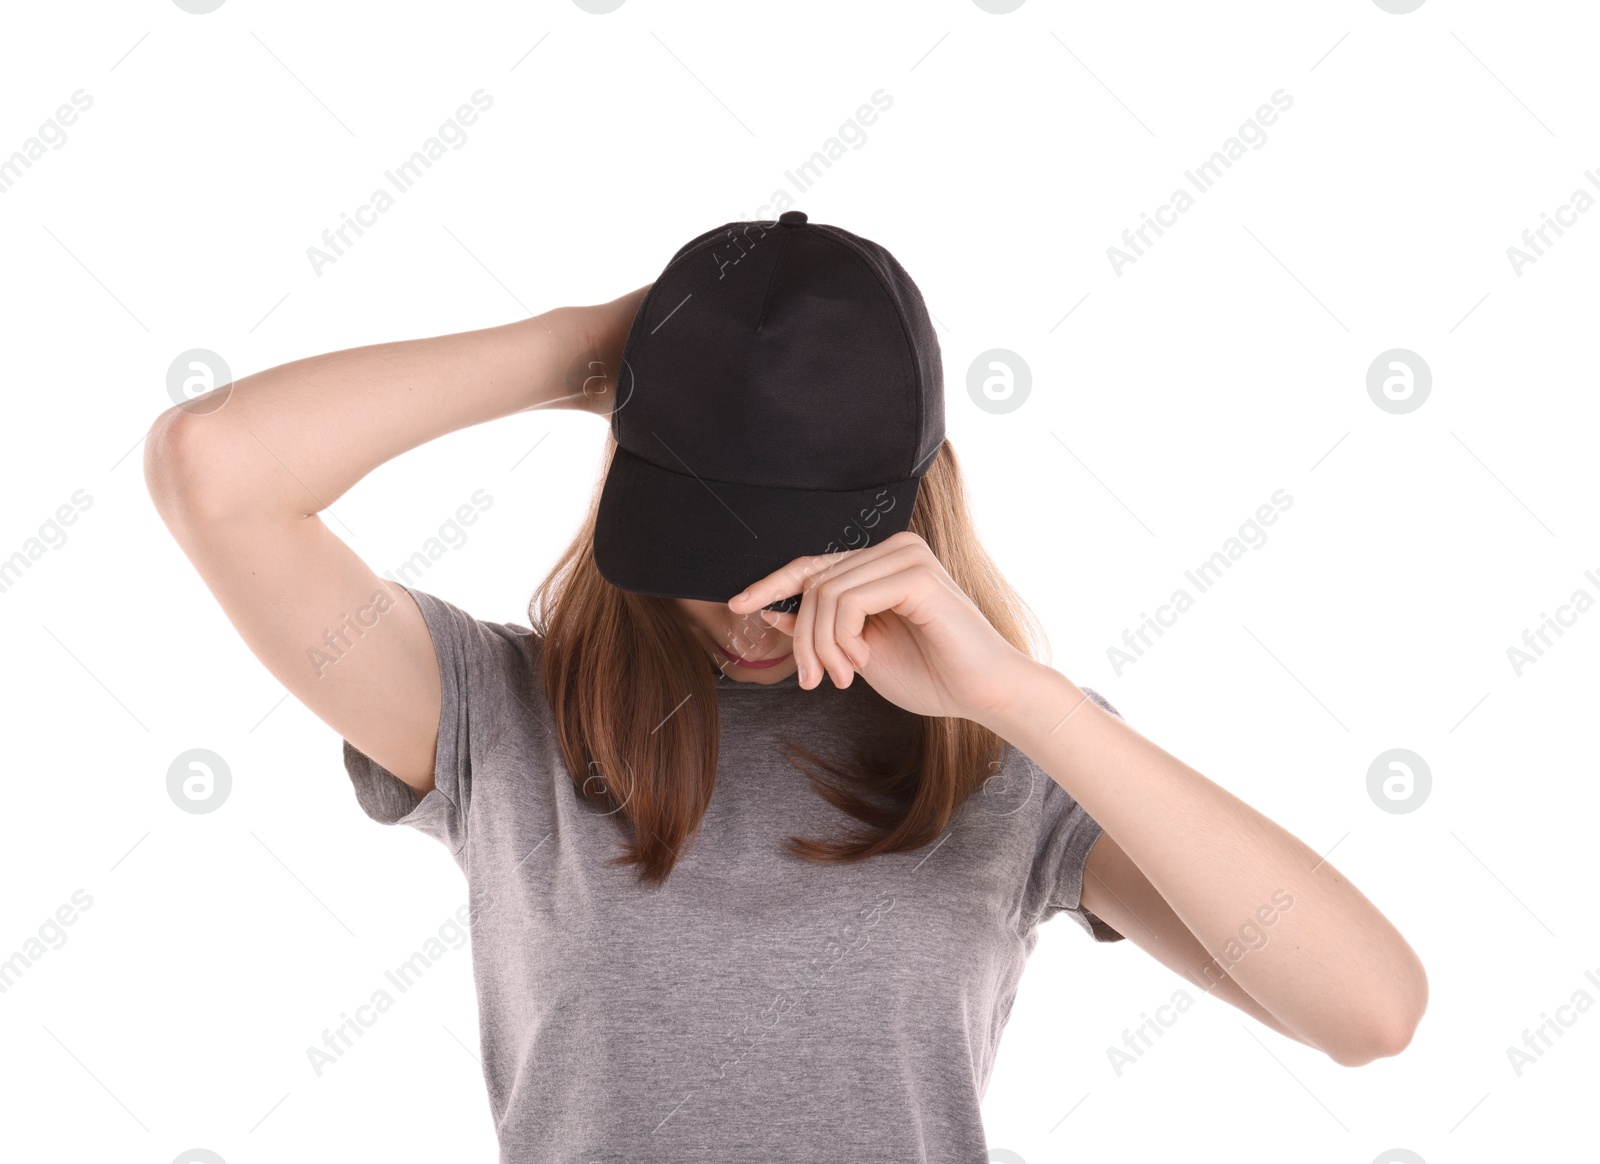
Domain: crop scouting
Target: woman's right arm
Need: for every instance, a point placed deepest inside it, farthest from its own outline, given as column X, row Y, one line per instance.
column 241, row 486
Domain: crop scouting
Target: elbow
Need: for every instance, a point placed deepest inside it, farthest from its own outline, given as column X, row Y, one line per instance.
column 185, row 465
column 1385, row 1036
column 1380, row 1043
column 168, row 456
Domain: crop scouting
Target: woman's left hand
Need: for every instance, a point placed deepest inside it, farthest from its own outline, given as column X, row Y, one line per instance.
column 891, row 613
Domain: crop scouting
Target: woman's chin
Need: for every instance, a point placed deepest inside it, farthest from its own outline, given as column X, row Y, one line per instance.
column 777, row 671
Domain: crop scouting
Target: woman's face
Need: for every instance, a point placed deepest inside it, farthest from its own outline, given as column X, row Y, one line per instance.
column 741, row 646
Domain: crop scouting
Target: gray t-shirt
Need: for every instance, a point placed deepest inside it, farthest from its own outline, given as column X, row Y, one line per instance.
column 757, row 1006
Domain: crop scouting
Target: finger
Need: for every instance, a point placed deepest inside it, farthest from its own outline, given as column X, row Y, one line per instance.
column 796, row 578
column 805, row 655
column 828, row 649
column 779, row 620
column 840, row 621
column 866, row 598
column 801, row 576
column 842, row 654
column 902, row 592
column 815, row 648
column 750, row 637
column 817, row 605
column 819, row 643
column 790, row 579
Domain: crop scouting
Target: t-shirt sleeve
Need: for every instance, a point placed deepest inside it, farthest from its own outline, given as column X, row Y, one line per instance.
column 1066, row 836
column 485, row 670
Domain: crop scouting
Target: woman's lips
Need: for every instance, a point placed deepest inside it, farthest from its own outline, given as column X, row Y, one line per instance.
column 753, row 664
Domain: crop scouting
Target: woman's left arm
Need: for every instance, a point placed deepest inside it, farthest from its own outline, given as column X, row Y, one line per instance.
column 1193, row 874
column 1332, row 969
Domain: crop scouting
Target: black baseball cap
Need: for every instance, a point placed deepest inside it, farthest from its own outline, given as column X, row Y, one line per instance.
column 781, row 395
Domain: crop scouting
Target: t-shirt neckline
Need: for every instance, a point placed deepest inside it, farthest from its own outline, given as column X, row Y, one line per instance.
column 790, row 682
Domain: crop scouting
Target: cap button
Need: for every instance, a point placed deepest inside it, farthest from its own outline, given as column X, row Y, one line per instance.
column 792, row 218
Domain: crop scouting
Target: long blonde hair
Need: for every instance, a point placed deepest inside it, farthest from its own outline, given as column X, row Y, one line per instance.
column 616, row 664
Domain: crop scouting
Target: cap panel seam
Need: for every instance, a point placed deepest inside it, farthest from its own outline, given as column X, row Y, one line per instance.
column 637, row 336
column 772, row 278
column 910, row 348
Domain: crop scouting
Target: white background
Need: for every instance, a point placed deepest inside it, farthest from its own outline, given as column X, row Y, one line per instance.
column 1228, row 362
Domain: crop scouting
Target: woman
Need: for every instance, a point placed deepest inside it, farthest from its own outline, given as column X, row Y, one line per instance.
column 727, row 901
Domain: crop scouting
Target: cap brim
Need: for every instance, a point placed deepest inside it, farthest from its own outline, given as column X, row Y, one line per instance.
column 676, row 535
